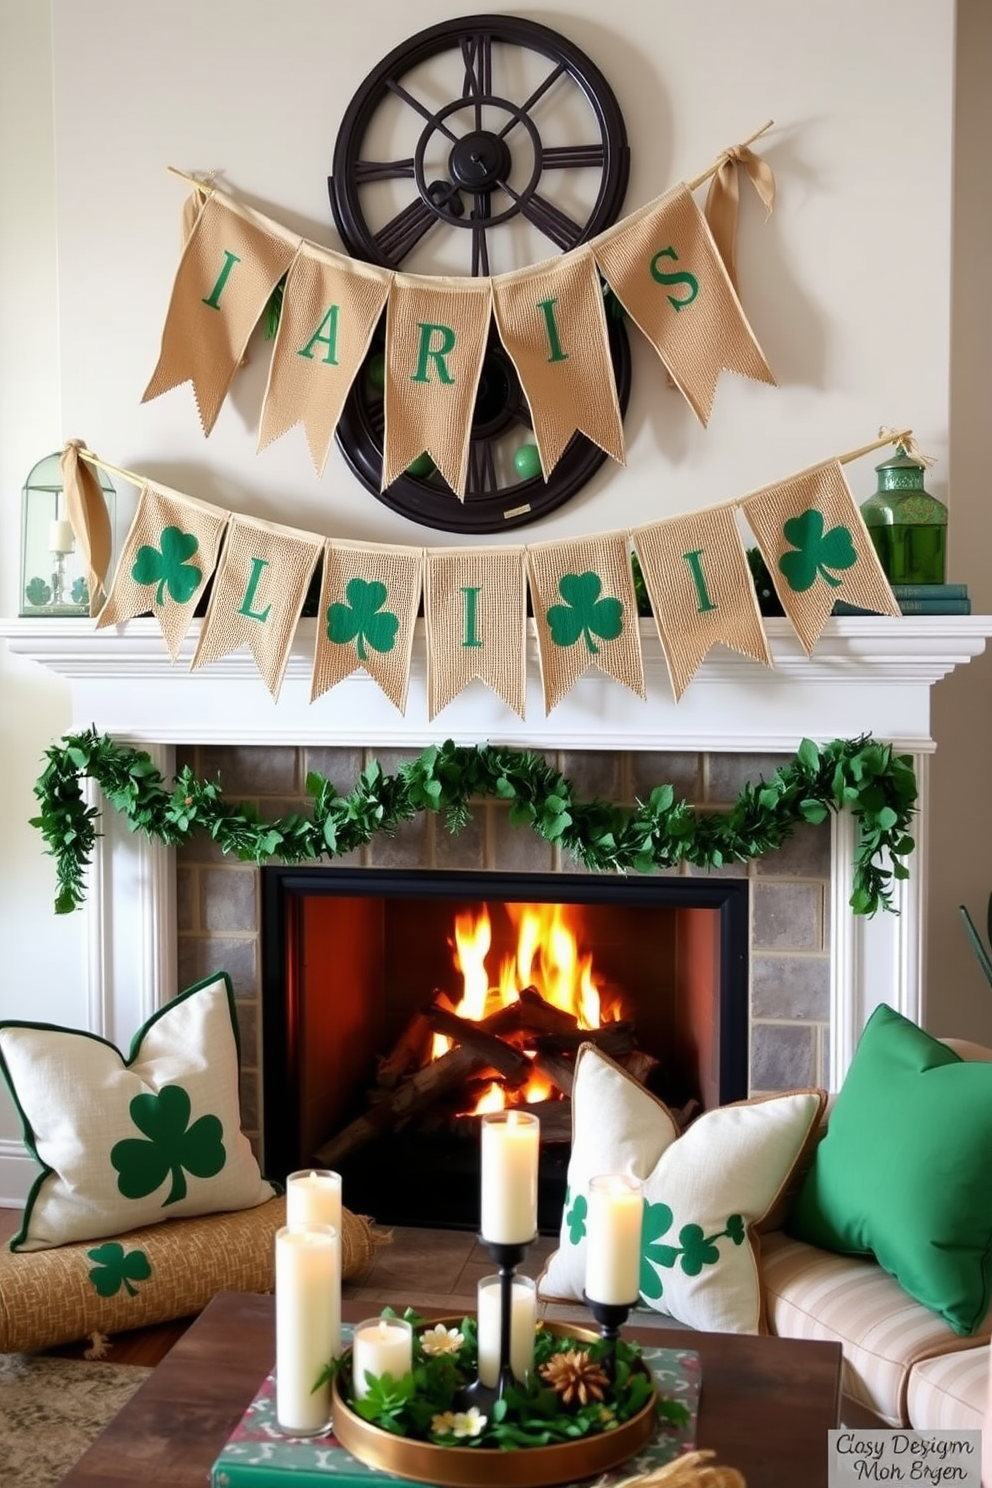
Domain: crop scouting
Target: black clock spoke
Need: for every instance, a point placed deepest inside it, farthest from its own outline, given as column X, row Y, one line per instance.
column 477, row 54
column 547, row 218
column 481, row 468
column 377, row 416
column 364, row 171
column 480, row 246
column 403, row 232
column 420, row 108
column 565, row 157
column 535, row 97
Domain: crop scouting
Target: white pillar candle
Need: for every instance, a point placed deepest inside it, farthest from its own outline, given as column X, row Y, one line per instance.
column 523, row 1321
column 308, row 1324
column 614, row 1221
column 313, row 1196
column 380, row 1346
column 510, row 1148
column 60, row 537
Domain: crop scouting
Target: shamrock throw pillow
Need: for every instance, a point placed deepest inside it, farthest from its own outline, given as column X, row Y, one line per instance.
column 129, row 1142
column 704, row 1191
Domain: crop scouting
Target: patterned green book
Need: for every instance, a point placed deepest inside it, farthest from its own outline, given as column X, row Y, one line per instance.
column 258, row 1455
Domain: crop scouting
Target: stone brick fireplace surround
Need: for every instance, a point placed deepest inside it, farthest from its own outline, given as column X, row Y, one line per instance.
column 157, row 920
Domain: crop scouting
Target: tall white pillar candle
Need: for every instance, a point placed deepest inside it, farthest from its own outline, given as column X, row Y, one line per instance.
column 523, row 1321
column 308, row 1324
column 313, row 1196
column 60, row 536
column 510, row 1148
column 380, row 1346
column 614, row 1221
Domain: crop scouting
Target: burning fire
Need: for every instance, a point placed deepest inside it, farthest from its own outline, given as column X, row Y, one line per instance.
column 547, row 958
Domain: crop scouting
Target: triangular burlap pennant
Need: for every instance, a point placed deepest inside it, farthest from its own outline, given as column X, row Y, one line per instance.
column 436, row 334
column 817, row 549
column 368, row 610
column 86, row 509
column 664, row 268
column 165, row 564
column 475, row 608
column 723, row 199
column 699, row 583
column 232, row 262
column 330, row 308
column 258, row 592
column 586, row 612
column 552, row 322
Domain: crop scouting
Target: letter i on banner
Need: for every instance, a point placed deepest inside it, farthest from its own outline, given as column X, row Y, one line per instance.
column 368, row 609
column 699, row 583
column 436, row 332
column 475, row 609
column 817, row 549
column 586, row 612
column 232, row 262
column 330, row 308
column 168, row 556
column 258, row 593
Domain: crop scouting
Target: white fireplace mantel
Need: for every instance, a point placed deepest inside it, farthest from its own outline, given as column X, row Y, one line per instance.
column 866, row 676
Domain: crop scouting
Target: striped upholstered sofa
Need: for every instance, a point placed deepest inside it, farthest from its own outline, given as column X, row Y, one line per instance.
column 903, row 1364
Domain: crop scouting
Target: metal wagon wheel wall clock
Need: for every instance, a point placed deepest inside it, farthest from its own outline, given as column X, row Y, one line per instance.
column 478, row 146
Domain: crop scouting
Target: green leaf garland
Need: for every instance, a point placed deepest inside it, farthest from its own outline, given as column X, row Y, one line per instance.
column 860, row 775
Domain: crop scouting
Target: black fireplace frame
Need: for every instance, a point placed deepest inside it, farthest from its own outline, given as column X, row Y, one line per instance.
column 283, row 891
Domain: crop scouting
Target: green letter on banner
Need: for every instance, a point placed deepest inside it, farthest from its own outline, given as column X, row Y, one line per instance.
column 328, row 337
column 435, row 354
column 471, row 615
column 696, row 569
column 680, row 278
column 213, row 298
column 551, row 326
column 245, row 607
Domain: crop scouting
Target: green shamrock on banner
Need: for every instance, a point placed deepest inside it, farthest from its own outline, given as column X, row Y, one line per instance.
column 694, row 1247
column 114, row 1269
column 584, row 613
column 817, row 551
column 363, row 619
column 167, row 567
column 172, row 1145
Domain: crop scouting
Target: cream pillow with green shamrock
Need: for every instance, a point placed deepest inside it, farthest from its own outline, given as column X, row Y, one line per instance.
column 129, row 1142
column 704, row 1191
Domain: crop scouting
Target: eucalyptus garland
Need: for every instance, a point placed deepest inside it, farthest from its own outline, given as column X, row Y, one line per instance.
column 860, row 775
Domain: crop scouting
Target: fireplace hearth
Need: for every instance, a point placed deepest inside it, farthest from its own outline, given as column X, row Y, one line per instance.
column 355, row 963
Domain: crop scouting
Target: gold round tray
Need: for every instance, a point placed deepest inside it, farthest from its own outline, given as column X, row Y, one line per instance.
column 491, row 1467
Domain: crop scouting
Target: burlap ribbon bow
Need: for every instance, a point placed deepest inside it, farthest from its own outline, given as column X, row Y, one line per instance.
column 723, row 199
column 86, row 508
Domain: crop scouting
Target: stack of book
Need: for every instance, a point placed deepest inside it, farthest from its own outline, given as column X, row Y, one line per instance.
column 920, row 599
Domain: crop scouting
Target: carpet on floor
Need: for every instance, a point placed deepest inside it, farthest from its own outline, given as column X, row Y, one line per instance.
column 52, row 1409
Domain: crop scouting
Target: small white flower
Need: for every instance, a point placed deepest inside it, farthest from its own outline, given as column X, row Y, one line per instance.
column 443, row 1424
column 441, row 1340
column 469, row 1423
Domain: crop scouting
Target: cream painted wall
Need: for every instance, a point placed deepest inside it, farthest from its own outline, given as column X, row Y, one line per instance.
column 848, row 287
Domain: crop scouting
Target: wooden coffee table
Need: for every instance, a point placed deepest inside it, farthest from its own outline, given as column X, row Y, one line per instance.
column 766, row 1403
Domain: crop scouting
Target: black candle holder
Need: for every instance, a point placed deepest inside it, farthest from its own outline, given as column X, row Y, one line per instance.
column 507, row 1258
column 611, row 1317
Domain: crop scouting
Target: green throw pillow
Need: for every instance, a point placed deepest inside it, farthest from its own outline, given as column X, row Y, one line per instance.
column 124, row 1143
column 905, row 1170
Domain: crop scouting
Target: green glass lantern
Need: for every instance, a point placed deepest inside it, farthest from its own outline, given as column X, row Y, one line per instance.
column 53, row 576
column 907, row 525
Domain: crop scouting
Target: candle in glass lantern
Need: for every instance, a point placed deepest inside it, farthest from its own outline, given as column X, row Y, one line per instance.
column 510, row 1147
column 308, row 1324
column 614, row 1221
column 380, row 1346
column 523, row 1321
column 313, row 1196
column 60, row 536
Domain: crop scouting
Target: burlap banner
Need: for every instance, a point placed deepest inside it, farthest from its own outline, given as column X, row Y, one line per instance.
column 258, row 593
column 697, row 577
column 586, row 612
column 369, row 598
column 330, row 308
column 436, row 335
column 552, row 322
column 664, row 268
column 475, row 609
column 168, row 556
column 232, row 261
column 817, row 549
column 86, row 510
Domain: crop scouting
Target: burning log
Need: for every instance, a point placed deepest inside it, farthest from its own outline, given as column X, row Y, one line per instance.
column 410, row 1051
column 614, row 1039
column 512, row 1065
